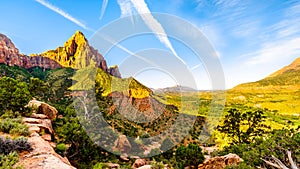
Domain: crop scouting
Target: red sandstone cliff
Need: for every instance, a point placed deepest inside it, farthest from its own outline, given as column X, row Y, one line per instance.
column 76, row 53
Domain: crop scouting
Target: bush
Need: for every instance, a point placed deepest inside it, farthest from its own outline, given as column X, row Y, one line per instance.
column 14, row 95
column 8, row 145
column 14, row 126
column 242, row 165
column 189, row 156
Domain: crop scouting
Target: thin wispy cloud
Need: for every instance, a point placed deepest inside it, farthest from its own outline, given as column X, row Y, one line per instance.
column 143, row 10
column 126, row 8
column 275, row 52
column 129, row 7
column 104, row 5
column 62, row 13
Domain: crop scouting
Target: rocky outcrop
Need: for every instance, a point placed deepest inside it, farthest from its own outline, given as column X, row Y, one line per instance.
column 39, row 125
column 43, row 109
column 220, row 162
column 145, row 167
column 76, row 53
column 42, row 156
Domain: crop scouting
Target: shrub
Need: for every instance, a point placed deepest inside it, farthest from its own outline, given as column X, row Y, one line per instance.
column 14, row 126
column 14, row 95
column 7, row 161
column 8, row 145
column 189, row 156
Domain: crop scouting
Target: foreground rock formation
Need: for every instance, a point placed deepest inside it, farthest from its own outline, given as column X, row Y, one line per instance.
column 42, row 155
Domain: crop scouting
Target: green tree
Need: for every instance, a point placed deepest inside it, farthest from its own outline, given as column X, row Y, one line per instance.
column 274, row 144
column 189, row 156
column 14, row 95
column 242, row 126
column 38, row 88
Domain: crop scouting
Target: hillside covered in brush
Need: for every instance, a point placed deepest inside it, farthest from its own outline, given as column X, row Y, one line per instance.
column 279, row 92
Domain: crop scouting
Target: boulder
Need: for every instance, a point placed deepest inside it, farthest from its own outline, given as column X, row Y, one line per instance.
column 47, row 137
column 43, row 108
column 38, row 116
column 220, row 162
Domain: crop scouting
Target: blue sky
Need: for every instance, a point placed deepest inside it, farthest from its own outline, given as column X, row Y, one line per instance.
column 252, row 38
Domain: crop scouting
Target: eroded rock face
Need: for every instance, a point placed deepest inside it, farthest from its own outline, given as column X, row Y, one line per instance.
column 38, row 125
column 10, row 55
column 42, row 155
column 220, row 162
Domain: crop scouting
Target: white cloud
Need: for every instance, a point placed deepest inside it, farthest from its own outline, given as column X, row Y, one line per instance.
column 275, row 51
column 104, row 5
column 62, row 13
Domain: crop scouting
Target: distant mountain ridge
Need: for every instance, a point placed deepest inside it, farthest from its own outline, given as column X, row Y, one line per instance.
column 287, row 77
column 176, row 88
column 76, row 53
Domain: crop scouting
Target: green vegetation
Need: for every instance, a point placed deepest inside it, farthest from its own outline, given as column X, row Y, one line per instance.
column 242, row 126
column 189, row 156
column 13, row 126
column 7, row 161
column 243, row 130
column 9, row 149
column 276, row 144
column 14, row 95
column 90, row 76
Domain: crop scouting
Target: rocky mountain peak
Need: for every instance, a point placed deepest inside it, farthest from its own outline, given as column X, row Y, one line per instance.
column 77, row 53
column 77, row 41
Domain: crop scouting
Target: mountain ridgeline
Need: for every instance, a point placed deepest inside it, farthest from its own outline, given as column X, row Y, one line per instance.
column 76, row 53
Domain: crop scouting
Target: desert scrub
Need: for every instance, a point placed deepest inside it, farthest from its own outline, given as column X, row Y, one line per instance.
column 13, row 126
